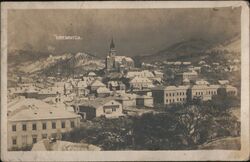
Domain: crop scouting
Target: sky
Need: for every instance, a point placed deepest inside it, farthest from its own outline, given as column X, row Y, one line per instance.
column 135, row 31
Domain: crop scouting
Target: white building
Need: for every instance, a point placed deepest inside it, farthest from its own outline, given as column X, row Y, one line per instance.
column 30, row 120
column 98, row 107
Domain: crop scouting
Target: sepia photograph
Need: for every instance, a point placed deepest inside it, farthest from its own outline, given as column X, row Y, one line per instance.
column 88, row 81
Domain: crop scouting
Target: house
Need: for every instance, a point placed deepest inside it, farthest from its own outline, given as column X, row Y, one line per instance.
column 30, row 120
column 98, row 107
column 140, row 83
column 143, row 73
column 95, row 85
column 116, row 85
column 103, row 92
column 127, row 100
column 190, row 75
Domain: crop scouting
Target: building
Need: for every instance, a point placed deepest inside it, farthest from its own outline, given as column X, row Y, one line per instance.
column 203, row 92
column 144, row 101
column 103, row 92
column 181, row 94
column 140, row 83
column 227, row 90
column 190, row 75
column 95, row 85
column 127, row 100
column 98, row 107
column 116, row 86
column 170, row 94
column 30, row 120
column 117, row 63
column 143, row 73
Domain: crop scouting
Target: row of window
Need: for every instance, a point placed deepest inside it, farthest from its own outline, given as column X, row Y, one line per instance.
column 173, row 100
column 177, row 94
column 209, row 92
column 44, row 126
column 34, row 138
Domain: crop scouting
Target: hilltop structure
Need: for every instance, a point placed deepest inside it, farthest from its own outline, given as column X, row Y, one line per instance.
column 117, row 63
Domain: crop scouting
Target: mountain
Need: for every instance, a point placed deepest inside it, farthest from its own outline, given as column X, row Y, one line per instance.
column 77, row 64
column 46, row 63
column 231, row 45
column 194, row 49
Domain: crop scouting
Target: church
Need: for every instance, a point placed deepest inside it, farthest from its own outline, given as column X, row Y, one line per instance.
column 117, row 63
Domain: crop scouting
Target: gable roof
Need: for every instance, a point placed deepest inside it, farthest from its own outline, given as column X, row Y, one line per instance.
column 96, row 103
column 33, row 109
column 97, row 83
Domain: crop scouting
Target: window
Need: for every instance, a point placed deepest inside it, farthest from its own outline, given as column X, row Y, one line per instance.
column 34, row 139
column 72, row 124
column 44, row 126
column 166, row 94
column 53, row 125
column 63, row 124
column 24, row 127
column 173, row 94
column 44, row 136
column 196, row 93
column 177, row 99
column 169, row 94
column 173, row 100
column 113, row 109
column 13, row 128
column 33, row 126
column 24, row 139
column 14, row 141
column 167, row 100
column 177, row 93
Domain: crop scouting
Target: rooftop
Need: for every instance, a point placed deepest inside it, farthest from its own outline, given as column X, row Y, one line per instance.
column 97, row 102
column 33, row 109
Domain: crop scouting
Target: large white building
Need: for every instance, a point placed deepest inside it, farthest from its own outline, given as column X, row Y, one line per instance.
column 30, row 120
column 166, row 95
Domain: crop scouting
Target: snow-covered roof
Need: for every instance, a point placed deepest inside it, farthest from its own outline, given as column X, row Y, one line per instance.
column 91, row 74
column 143, row 73
column 103, row 90
column 98, row 102
column 33, row 109
column 201, row 82
column 97, row 83
column 222, row 82
column 121, row 58
column 140, row 80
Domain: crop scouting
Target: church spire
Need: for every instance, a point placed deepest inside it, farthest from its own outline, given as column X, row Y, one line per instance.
column 112, row 45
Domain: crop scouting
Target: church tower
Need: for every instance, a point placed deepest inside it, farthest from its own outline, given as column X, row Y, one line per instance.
column 110, row 59
column 112, row 51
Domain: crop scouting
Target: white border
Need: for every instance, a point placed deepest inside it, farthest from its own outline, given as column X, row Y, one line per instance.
column 243, row 154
